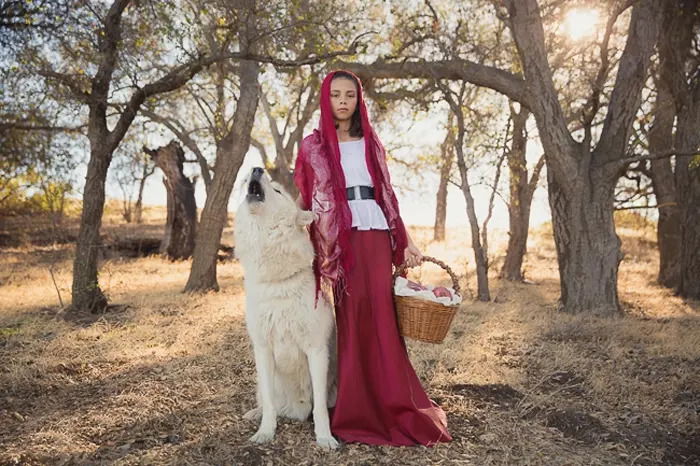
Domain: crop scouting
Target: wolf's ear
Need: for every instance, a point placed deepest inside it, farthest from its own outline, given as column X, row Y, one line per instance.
column 304, row 217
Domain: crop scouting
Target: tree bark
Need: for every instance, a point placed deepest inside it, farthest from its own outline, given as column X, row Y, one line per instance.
column 688, row 186
column 689, row 190
column 181, row 222
column 229, row 156
column 588, row 249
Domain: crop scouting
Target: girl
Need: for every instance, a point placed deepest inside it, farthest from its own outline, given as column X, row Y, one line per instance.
column 358, row 233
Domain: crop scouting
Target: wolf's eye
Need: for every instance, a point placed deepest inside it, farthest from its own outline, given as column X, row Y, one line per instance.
column 278, row 191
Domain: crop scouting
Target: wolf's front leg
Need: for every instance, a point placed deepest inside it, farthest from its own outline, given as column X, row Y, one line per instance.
column 318, row 367
column 265, row 365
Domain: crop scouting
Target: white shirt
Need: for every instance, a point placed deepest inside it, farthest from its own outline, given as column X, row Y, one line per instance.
column 366, row 213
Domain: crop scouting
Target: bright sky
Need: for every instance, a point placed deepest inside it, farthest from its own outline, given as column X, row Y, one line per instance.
column 581, row 23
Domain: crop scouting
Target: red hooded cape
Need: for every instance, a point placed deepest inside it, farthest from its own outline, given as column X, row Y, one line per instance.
column 319, row 177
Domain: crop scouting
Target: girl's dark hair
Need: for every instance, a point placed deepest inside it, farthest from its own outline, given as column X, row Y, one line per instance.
column 355, row 120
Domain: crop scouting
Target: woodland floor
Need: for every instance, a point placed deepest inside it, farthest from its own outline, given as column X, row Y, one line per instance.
column 164, row 377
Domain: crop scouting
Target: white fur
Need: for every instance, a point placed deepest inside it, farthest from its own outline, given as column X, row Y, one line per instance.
column 293, row 342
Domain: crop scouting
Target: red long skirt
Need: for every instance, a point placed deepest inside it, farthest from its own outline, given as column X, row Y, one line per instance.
column 380, row 398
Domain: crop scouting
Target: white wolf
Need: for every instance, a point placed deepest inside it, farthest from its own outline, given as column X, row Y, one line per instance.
column 293, row 342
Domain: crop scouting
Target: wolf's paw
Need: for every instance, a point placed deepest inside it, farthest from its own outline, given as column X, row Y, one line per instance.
column 262, row 436
column 254, row 414
column 327, row 443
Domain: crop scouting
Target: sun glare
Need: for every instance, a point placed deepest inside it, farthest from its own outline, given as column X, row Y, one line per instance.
column 581, row 23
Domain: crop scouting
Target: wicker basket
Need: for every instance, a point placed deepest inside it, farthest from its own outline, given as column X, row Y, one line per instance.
column 421, row 319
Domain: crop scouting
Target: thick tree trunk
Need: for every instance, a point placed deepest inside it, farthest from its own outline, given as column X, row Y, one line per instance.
column 668, row 231
column 229, row 157
column 588, row 249
column 688, row 190
column 521, row 192
column 87, row 295
column 181, row 222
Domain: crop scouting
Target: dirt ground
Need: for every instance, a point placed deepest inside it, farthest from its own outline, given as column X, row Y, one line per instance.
column 164, row 377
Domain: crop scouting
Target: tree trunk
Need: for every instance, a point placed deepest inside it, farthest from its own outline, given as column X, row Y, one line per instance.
column 521, row 192
column 668, row 229
column 482, row 263
column 447, row 153
column 482, row 266
column 688, row 186
column 679, row 72
column 588, row 249
column 87, row 295
column 181, row 222
column 689, row 191
column 441, row 201
column 138, row 207
column 229, row 157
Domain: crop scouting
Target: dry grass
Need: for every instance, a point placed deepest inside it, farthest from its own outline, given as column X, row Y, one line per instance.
column 166, row 377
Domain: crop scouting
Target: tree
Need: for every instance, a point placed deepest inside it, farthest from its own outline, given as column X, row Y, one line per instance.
column 295, row 112
column 95, row 93
column 581, row 175
column 131, row 170
column 235, row 141
column 112, row 59
column 456, row 102
column 679, row 79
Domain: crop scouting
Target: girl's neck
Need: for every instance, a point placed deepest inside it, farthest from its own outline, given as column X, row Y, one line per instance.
column 343, row 131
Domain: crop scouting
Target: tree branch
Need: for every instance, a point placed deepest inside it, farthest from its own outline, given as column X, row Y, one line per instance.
column 630, row 80
column 528, row 33
column 499, row 80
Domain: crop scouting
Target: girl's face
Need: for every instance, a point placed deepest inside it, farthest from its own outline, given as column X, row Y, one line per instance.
column 343, row 98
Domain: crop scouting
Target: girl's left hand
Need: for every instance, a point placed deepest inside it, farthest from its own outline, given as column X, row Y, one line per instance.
column 412, row 256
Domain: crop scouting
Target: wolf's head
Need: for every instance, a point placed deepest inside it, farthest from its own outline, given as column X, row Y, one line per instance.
column 268, row 221
column 269, row 202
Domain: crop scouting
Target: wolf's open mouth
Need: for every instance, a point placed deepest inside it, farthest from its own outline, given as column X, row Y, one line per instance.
column 255, row 191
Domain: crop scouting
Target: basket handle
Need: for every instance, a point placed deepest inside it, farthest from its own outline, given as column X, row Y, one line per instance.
column 455, row 284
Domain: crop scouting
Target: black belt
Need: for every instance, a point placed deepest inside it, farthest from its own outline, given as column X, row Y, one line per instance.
column 360, row 192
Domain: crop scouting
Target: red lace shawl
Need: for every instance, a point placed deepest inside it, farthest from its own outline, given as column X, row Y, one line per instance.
column 319, row 177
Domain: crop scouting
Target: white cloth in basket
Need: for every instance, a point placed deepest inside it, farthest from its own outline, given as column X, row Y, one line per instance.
column 401, row 288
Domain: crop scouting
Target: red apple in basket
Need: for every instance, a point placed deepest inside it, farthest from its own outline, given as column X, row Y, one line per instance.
column 415, row 286
column 442, row 292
